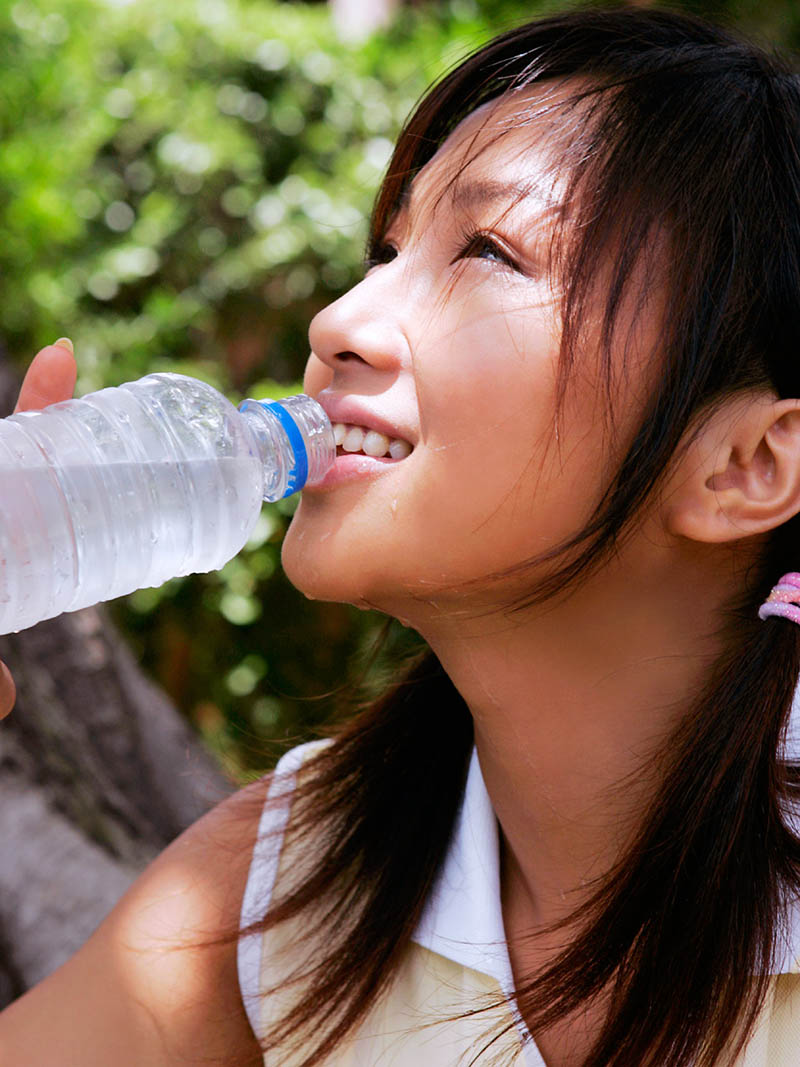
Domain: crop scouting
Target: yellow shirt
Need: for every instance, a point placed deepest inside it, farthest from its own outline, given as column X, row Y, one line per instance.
column 457, row 960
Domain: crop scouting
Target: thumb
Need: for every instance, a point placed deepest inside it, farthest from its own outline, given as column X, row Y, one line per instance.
column 50, row 377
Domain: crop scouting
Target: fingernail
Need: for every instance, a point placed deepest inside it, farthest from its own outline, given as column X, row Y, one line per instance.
column 65, row 342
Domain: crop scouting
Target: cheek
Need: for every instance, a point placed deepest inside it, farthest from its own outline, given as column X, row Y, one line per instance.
column 488, row 385
column 499, row 480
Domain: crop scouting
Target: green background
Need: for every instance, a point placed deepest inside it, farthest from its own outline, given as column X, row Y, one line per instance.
column 183, row 186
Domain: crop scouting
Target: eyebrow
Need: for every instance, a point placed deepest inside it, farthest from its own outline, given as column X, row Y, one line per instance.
column 470, row 194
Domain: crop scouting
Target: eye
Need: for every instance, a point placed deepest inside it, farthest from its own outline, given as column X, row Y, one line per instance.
column 483, row 246
column 379, row 252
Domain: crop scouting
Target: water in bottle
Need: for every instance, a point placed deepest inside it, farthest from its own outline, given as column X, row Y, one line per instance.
column 130, row 486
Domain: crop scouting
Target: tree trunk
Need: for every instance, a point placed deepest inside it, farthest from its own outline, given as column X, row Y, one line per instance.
column 98, row 772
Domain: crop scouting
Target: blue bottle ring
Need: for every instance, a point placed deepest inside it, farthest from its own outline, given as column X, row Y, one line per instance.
column 298, row 474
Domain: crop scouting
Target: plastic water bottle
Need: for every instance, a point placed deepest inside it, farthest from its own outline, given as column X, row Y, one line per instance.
column 130, row 486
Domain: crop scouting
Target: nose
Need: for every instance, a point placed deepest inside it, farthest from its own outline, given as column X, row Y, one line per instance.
column 365, row 327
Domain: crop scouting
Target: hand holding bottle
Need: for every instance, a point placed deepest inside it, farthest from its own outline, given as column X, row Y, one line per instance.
column 49, row 379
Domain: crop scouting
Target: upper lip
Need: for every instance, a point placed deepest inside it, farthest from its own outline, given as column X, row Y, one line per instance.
column 351, row 410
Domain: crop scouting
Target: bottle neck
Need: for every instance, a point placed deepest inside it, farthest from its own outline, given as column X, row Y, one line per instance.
column 294, row 438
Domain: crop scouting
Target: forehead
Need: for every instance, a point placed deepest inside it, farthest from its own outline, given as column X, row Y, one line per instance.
column 503, row 154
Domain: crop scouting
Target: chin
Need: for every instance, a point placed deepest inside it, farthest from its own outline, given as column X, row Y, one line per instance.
column 319, row 575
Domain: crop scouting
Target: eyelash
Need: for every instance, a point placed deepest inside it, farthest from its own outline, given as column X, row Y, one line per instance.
column 475, row 240
column 470, row 242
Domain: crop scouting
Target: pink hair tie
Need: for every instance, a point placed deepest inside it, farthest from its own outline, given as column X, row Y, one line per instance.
column 784, row 600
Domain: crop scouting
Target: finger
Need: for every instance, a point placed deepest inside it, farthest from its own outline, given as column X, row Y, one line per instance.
column 8, row 691
column 50, row 377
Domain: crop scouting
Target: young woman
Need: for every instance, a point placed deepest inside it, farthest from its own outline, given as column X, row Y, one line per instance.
column 566, row 836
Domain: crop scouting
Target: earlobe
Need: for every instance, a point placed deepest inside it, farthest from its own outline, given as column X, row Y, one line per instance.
column 740, row 475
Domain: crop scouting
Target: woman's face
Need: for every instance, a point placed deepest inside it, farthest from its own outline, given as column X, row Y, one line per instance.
column 451, row 343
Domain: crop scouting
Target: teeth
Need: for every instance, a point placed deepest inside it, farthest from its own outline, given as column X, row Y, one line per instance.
column 370, row 442
column 353, row 439
column 399, row 449
column 375, row 444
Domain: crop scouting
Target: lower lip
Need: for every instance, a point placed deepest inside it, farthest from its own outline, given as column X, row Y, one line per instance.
column 353, row 468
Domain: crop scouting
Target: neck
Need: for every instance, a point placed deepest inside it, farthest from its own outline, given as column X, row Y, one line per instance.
column 572, row 703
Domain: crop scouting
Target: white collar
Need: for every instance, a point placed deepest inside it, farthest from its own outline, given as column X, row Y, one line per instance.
column 463, row 918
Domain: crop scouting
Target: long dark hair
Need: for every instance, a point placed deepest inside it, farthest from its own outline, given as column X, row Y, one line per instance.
column 683, row 130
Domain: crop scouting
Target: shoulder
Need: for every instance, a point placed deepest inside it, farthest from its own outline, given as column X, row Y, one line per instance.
column 157, row 982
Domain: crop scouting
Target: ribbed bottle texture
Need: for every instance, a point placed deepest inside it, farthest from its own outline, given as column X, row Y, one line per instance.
column 133, row 485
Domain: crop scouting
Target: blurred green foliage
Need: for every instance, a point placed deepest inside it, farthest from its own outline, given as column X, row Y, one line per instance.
column 182, row 186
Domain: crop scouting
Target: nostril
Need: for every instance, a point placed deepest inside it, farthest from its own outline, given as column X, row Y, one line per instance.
column 345, row 357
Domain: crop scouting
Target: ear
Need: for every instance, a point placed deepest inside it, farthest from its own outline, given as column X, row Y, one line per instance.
column 740, row 475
